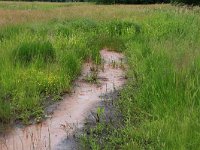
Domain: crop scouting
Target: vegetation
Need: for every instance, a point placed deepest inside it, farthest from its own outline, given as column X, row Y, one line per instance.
column 33, row 6
column 188, row 2
column 159, row 105
column 130, row 1
column 38, row 64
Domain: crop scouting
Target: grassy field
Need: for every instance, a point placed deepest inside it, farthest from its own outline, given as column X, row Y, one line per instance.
column 160, row 104
column 31, row 6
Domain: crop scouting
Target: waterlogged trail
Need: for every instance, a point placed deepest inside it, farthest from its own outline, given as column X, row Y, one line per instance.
column 71, row 111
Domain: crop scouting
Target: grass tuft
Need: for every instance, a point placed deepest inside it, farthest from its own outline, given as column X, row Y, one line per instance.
column 28, row 52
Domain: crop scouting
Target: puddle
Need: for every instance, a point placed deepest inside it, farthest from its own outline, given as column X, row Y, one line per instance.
column 71, row 112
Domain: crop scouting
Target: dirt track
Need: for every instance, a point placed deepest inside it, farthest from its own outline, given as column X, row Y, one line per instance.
column 70, row 113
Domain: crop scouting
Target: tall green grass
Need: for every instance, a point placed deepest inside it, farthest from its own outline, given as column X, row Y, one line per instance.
column 30, row 51
column 40, row 61
column 160, row 104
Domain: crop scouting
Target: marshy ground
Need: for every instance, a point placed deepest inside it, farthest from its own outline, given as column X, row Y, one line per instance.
column 70, row 113
column 43, row 47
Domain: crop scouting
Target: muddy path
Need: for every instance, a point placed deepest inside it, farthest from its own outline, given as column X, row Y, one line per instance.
column 71, row 112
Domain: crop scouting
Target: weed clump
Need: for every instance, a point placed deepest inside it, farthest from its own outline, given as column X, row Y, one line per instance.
column 27, row 52
column 5, row 114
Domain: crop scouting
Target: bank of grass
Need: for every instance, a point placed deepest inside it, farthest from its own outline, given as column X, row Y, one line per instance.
column 40, row 61
column 159, row 104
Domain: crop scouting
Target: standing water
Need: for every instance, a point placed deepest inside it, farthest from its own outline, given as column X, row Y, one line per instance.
column 71, row 111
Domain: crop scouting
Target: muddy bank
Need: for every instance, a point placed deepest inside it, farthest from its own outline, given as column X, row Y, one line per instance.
column 70, row 113
column 98, row 131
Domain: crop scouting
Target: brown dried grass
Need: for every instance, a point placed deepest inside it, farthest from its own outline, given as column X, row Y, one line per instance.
column 99, row 12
